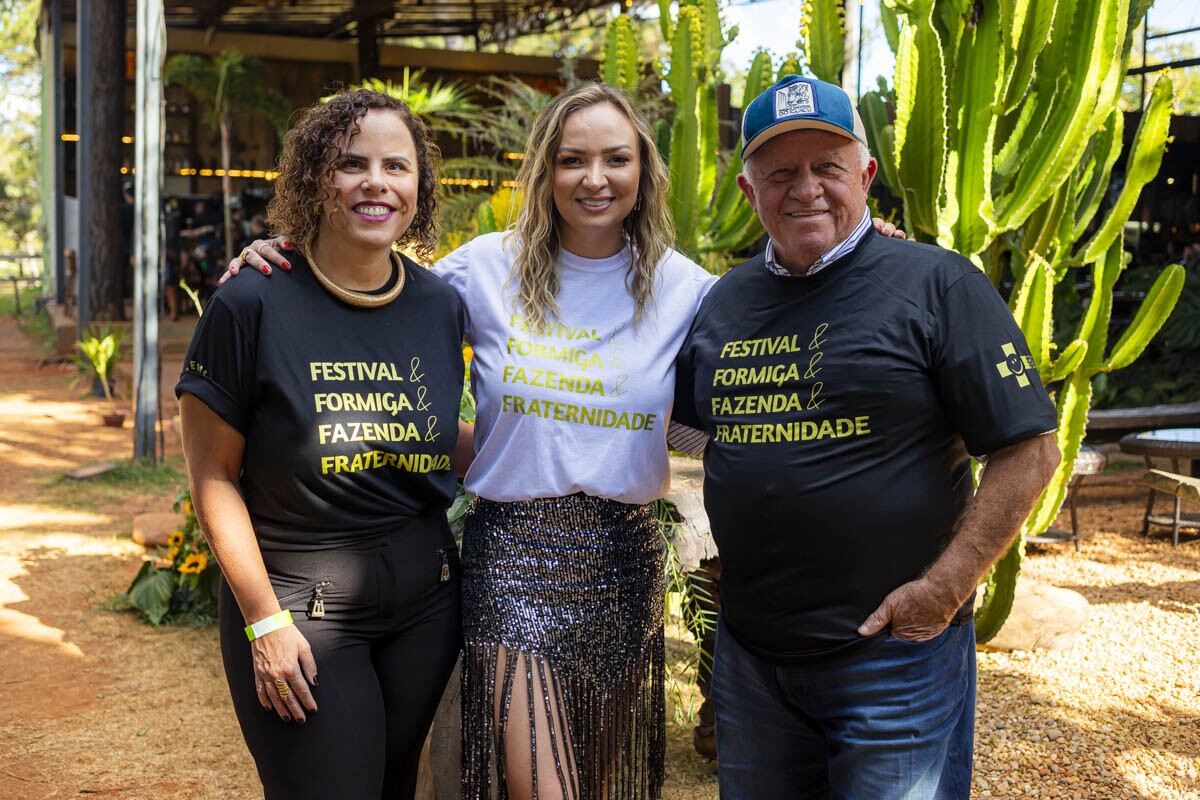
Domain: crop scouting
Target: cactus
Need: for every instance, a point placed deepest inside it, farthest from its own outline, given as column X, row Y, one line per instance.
column 822, row 38
column 1005, row 135
column 712, row 218
column 621, row 66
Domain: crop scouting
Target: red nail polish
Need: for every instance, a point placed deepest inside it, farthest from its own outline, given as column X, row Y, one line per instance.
column 286, row 265
column 266, row 270
column 288, row 245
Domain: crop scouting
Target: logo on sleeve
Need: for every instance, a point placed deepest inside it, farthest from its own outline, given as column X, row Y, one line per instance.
column 1014, row 364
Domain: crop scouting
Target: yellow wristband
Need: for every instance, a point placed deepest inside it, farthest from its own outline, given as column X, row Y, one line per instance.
column 274, row 622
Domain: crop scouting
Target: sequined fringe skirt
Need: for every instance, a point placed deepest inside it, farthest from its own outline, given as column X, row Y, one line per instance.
column 563, row 611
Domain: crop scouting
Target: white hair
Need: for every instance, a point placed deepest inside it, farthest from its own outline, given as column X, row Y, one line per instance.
column 864, row 155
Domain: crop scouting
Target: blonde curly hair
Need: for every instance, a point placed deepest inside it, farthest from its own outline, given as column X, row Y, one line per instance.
column 648, row 228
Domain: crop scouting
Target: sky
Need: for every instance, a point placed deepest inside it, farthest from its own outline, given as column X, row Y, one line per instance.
column 774, row 24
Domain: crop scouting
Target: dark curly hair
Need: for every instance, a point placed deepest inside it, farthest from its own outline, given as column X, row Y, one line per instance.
column 310, row 151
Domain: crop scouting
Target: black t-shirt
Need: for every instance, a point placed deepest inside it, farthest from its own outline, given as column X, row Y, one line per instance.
column 350, row 414
column 842, row 408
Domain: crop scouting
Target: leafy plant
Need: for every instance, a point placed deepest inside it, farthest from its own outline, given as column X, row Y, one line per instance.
column 1001, row 138
column 232, row 85
column 689, row 603
column 712, row 217
column 443, row 105
column 98, row 357
column 179, row 586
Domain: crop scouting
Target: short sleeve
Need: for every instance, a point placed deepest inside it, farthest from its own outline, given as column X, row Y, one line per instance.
column 220, row 366
column 454, row 268
column 684, row 409
column 984, row 371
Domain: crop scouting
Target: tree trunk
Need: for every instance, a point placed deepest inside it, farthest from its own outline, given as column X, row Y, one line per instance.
column 227, row 190
column 109, row 262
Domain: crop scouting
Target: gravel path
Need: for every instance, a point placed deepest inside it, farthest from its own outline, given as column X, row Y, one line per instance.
column 1118, row 714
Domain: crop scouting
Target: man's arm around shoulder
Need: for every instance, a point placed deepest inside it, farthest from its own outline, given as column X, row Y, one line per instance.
column 1012, row 480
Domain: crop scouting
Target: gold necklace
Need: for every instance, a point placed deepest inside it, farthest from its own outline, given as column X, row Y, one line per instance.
column 356, row 298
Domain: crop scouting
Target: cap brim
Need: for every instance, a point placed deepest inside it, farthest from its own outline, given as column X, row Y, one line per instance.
column 794, row 125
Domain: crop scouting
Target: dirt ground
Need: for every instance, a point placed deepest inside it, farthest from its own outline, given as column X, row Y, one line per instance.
column 95, row 703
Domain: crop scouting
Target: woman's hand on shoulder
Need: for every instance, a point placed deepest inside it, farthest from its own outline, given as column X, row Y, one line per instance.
column 260, row 255
column 284, row 655
column 888, row 229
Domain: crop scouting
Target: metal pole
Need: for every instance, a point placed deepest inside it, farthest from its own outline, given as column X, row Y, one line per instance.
column 858, row 71
column 58, row 245
column 83, row 160
column 147, row 229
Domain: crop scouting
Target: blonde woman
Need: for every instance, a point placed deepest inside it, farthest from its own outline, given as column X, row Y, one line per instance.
column 576, row 316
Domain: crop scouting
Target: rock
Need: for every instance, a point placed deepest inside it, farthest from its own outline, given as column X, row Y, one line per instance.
column 1043, row 617
column 150, row 530
column 693, row 539
column 90, row 470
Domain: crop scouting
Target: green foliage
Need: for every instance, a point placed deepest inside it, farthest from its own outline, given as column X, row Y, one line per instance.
column 688, row 604
column 232, row 86
column 712, row 217
column 442, row 105
column 1166, row 372
column 622, row 66
column 1005, row 135
column 497, row 132
column 179, row 585
column 822, row 38
column 98, row 357
column 20, row 114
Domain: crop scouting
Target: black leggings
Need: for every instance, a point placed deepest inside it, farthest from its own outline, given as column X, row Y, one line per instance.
column 384, row 650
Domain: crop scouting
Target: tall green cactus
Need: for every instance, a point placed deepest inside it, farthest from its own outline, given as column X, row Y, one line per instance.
column 823, row 38
column 622, row 67
column 1005, row 134
column 712, row 218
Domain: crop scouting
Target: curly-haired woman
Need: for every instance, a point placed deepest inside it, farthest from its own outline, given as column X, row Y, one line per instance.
column 319, row 419
column 575, row 317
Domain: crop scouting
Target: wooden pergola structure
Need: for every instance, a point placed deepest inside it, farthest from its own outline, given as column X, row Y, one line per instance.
column 359, row 33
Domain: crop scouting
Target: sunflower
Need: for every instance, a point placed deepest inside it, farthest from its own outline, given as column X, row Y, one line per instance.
column 186, row 507
column 172, row 553
column 175, row 538
column 194, row 564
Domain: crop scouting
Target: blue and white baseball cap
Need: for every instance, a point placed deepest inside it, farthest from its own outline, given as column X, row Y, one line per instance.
column 799, row 103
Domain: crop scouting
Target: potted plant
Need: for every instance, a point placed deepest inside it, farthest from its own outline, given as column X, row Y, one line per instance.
column 99, row 356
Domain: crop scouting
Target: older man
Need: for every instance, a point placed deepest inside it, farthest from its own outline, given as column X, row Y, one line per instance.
column 844, row 378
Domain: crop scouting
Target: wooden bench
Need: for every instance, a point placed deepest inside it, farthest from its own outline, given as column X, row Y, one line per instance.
column 1181, row 487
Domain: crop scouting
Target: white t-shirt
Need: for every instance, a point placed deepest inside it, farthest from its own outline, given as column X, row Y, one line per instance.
column 583, row 407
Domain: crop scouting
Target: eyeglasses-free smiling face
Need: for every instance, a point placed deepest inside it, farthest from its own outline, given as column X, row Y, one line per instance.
column 809, row 188
column 597, row 168
column 374, row 184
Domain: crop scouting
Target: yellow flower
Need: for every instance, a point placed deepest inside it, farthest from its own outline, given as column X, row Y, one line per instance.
column 172, row 553
column 187, row 507
column 175, row 538
column 468, row 353
column 194, row 564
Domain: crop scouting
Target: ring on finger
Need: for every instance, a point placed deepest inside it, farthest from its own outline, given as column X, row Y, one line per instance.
column 281, row 686
column 245, row 252
column 257, row 247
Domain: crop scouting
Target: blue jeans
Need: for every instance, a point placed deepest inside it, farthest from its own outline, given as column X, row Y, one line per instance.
column 890, row 720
